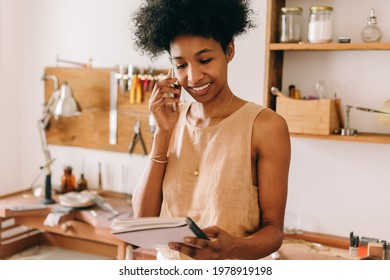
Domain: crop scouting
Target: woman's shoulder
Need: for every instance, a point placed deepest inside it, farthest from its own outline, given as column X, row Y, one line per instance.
column 269, row 125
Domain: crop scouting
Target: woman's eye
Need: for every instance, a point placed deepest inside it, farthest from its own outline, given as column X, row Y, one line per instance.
column 180, row 66
column 205, row 61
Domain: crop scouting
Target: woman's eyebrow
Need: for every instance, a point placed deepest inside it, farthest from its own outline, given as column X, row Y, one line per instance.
column 205, row 50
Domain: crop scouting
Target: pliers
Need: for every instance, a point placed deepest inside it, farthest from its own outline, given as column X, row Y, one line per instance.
column 137, row 136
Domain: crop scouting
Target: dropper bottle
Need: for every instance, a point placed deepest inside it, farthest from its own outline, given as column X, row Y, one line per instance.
column 82, row 183
column 371, row 33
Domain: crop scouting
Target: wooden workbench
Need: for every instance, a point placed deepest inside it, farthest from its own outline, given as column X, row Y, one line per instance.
column 87, row 230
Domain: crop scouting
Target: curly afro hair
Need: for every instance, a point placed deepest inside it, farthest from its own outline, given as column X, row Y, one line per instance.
column 158, row 22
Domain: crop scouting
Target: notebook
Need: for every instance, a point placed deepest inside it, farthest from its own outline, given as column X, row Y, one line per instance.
column 155, row 232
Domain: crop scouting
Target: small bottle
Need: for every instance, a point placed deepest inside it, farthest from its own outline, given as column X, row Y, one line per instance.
column 290, row 25
column 320, row 24
column 372, row 33
column 82, row 184
column 68, row 180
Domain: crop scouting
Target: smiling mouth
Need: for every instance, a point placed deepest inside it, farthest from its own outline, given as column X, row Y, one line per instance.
column 201, row 87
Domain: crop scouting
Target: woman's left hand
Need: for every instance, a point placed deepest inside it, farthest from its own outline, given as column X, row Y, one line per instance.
column 219, row 246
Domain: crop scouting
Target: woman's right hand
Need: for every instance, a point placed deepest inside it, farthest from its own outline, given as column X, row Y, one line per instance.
column 162, row 105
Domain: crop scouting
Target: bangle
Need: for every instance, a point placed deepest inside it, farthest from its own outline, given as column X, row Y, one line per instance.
column 155, row 159
column 158, row 156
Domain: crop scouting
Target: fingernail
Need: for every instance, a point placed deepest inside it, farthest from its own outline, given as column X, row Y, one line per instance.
column 172, row 246
column 188, row 240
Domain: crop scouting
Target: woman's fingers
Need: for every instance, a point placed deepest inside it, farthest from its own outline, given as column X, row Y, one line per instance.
column 164, row 93
column 162, row 103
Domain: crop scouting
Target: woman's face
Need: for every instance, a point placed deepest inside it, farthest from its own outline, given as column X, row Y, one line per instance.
column 201, row 66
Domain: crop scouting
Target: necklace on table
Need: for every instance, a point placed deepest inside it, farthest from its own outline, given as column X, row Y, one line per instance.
column 196, row 169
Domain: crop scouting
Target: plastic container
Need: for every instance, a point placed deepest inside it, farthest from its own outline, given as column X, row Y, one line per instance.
column 290, row 25
column 320, row 24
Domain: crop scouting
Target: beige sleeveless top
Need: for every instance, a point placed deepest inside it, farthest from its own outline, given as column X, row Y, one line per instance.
column 223, row 193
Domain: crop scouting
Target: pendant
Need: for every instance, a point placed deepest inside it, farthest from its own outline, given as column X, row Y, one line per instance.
column 196, row 172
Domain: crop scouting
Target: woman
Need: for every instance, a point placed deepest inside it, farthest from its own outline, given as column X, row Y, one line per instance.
column 220, row 160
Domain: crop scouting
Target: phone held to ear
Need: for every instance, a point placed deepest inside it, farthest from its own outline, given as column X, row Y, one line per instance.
column 174, row 106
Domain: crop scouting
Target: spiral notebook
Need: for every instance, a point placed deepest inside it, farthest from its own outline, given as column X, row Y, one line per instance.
column 153, row 232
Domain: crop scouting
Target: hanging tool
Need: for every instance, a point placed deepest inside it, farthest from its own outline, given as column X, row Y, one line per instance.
column 113, row 116
column 122, row 71
column 151, row 81
column 133, row 88
column 137, row 137
column 136, row 90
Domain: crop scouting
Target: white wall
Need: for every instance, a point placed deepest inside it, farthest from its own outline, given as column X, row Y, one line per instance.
column 10, row 111
column 335, row 187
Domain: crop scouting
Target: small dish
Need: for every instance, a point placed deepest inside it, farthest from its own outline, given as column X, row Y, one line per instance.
column 76, row 200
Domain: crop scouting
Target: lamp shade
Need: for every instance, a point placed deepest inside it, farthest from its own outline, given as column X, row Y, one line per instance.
column 66, row 105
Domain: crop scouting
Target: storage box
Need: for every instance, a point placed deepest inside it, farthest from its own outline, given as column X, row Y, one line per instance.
column 319, row 117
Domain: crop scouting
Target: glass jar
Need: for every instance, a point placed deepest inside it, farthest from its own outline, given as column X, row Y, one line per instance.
column 320, row 24
column 290, row 25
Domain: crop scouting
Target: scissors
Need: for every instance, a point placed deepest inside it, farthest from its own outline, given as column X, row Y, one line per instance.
column 137, row 136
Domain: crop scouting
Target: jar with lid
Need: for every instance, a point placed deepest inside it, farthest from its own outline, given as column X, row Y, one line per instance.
column 290, row 25
column 320, row 24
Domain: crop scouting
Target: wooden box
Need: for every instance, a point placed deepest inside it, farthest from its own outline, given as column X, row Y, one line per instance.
column 319, row 117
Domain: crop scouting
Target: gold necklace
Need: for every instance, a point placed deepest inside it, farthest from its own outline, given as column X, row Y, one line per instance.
column 224, row 110
column 196, row 171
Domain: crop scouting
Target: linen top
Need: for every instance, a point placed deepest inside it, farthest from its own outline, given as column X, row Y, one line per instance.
column 223, row 193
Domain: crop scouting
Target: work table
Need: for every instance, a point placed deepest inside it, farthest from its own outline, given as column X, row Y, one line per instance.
column 84, row 229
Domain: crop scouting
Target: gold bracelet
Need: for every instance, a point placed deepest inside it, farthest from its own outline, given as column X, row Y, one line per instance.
column 158, row 156
column 155, row 159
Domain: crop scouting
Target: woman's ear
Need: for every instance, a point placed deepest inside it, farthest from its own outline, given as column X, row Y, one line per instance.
column 230, row 51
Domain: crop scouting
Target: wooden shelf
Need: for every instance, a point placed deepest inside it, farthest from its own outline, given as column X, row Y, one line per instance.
column 274, row 57
column 360, row 137
column 330, row 47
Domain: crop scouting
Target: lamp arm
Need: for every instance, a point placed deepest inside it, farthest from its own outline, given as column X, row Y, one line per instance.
column 47, row 166
column 48, row 108
column 45, row 147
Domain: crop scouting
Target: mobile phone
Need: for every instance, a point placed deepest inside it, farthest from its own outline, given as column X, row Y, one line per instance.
column 195, row 229
column 174, row 107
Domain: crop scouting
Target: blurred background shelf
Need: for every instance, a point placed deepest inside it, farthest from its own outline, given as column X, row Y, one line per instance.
column 330, row 47
column 360, row 137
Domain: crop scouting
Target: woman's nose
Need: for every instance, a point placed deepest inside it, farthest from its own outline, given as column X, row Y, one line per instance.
column 194, row 74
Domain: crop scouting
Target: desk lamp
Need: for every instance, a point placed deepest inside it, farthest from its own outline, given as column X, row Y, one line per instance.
column 61, row 103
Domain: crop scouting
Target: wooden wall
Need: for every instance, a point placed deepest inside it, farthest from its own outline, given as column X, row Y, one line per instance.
column 91, row 87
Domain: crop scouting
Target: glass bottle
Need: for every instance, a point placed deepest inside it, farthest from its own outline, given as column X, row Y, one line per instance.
column 68, row 180
column 371, row 33
column 320, row 24
column 290, row 25
column 82, row 183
